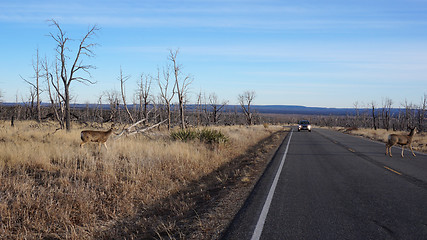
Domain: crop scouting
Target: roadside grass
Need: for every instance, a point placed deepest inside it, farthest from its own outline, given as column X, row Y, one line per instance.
column 419, row 141
column 52, row 188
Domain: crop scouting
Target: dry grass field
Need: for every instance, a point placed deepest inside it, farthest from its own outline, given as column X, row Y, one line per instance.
column 50, row 188
column 419, row 142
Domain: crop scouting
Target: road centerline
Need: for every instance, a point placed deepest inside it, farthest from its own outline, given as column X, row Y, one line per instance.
column 263, row 215
column 411, row 179
column 327, row 191
column 392, row 170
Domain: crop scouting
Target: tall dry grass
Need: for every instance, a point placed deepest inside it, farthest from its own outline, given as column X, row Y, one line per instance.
column 50, row 188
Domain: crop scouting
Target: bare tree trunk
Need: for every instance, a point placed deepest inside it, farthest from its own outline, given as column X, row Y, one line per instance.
column 164, row 92
column 374, row 124
column 245, row 101
column 143, row 92
column 77, row 66
column 182, row 113
column 123, row 79
column 67, row 109
column 388, row 105
column 216, row 107
column 36, row 92
column 357, row 118
column 422, row 113
column 54, row 100
column 38, row 88
column 181, row 85
column 114, row 102
column 169, row 115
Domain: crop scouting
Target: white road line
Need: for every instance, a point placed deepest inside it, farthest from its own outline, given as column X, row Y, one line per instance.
column 260, row 224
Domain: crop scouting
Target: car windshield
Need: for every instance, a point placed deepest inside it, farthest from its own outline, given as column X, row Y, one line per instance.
column 304, row 122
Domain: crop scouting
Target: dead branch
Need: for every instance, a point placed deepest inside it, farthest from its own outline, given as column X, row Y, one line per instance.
column 123, row 79
column 146, row 129
column 127, row 132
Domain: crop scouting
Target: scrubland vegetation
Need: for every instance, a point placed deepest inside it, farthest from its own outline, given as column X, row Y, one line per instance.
column 140, row 187
column 51, row 188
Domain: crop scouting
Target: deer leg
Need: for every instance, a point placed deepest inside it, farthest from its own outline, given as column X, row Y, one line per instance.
column 410, row 147
column 388, row 149
column 105, row 144
column 403, row 147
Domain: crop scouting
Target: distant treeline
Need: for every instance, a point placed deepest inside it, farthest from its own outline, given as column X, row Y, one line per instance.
column 204, row 115
column 273, row 109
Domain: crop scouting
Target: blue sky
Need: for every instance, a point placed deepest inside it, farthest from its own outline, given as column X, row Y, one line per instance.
column 308, row 52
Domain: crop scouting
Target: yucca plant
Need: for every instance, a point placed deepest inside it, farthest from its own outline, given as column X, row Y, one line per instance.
column 184, row 135
column 209, row 136
column 212, row 136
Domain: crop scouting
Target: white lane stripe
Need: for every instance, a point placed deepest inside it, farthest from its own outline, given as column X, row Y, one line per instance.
column 260, row 224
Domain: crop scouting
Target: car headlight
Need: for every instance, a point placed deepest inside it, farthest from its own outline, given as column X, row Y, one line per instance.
column 299, row 126
column 309, row 127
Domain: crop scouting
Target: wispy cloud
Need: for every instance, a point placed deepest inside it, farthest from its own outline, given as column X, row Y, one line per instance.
column 267, row 15
column 363, row 54
column 324, row 44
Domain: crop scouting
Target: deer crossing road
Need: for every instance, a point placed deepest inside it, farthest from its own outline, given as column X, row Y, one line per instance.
column 329, row 185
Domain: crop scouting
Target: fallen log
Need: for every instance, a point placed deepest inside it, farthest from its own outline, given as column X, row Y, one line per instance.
column 127, row 131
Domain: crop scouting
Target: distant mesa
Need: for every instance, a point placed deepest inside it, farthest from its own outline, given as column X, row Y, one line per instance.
column 267, row 109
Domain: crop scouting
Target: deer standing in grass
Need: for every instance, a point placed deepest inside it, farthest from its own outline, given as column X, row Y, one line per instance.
column 402, row 140
column 100, row 137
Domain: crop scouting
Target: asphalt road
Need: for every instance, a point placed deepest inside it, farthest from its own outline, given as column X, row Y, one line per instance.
column 331, row 185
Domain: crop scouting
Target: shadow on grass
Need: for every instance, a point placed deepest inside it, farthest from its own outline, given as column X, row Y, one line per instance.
column 179, row 215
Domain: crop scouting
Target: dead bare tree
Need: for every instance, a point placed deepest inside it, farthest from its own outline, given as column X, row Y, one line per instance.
column 37, row 71
column 114, row 101
column 409, row 114
column 122, row 80
column 357, row 118
column 386, row 112
column 374, row 116
column 159, row 108
column 245, row 101
column 99, row 109
column 202, row 111
column 422, row 113
column 55, row 100
column 199, row 108
column 35, row 91
column 143, row 94
column 216, row 107
column 29, row 103
column 181, row 85
column 71, row 74
column 166, row 93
